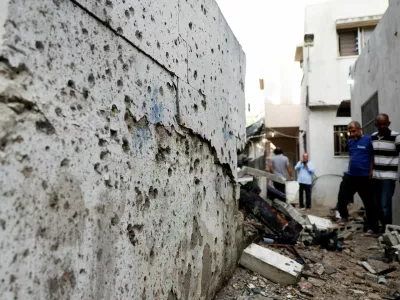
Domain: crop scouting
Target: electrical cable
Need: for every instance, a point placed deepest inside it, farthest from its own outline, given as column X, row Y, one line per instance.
column 282, row 134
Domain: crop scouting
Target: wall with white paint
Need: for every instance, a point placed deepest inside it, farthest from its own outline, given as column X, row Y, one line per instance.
column 282, row 115
column 328, row 72
column 120, row 125
column 378, row 70
column 322, row 154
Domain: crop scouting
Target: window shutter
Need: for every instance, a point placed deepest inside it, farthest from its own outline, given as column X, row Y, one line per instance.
column 348, row 43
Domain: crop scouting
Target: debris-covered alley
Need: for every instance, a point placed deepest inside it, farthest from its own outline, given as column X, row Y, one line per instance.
column 326, row 262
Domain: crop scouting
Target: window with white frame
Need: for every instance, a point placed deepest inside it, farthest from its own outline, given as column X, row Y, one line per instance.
column 341, row 137
column 353, row 40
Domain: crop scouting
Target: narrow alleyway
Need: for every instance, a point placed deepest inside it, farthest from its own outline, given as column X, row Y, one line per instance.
column 326, row 275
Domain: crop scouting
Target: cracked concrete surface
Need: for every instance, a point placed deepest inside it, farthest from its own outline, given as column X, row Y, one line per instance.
column 120, row 123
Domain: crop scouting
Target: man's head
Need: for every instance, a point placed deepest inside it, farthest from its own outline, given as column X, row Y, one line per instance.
column 278, row 151
column 355, row 130
column 382, row 123
column 305, row 156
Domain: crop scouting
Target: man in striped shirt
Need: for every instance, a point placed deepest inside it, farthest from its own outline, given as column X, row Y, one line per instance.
column 386, row 145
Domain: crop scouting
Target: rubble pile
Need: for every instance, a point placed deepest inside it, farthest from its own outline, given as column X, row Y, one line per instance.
column 295, row 256
column 390, row 241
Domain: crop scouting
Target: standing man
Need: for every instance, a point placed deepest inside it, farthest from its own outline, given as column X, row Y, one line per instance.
column 279, row 165
column 305, row 170
column 386, row 144
column 359, row 174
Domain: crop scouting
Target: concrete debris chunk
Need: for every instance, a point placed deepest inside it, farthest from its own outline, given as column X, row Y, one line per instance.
column 319, row 269
column 316, row 282
column 367, row 266
column 346, row 235
column 330, row 270
column 320, row 223
column 357, row 292
column 371, row 277
column 392, row 228
column 359, row 275
column 271, row 265
column 374, row 297
column 288, row 209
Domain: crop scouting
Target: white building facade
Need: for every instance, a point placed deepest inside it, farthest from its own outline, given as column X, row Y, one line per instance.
column 336, row 32
column 376, row 78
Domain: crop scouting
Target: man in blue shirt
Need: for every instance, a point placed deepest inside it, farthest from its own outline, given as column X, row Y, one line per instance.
column 360, row 173
column 305, row 170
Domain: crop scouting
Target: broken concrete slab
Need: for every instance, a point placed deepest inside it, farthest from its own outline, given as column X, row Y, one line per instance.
column 354, row 227
column 390, row 239
column 259, row 173
column 288, row 209
column 346, row 235
column 391, row 228
column 320, row 223
column 367, row 267
column 271, row 265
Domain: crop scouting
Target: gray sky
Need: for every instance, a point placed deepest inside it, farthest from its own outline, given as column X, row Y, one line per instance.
column 269, row 31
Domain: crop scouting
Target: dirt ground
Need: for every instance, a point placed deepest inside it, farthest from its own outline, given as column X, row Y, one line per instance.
column 326, row 275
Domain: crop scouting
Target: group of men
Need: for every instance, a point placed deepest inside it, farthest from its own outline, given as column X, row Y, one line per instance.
column 372, row 173
column 279, row 164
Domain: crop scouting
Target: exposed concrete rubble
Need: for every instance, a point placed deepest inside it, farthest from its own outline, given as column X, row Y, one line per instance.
column 325, row 275
column 271, row 265
column 326, row 262
column 120, row 123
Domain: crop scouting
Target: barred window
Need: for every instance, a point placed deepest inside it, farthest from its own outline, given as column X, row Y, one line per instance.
column 341, row 137
column 369, row 111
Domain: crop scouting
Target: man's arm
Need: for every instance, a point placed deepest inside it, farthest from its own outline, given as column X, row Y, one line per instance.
column 289, row 170
column 271, row 169
column 371, row 167
column 310, row 168
column 298, row 166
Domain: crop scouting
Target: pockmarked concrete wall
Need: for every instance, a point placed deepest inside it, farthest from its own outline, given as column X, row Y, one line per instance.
column 378, row 70
column 120, row 123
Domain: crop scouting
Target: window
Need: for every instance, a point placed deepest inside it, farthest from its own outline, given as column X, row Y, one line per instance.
column 348, row 42
column 369, row 111
column 341, row 137
column 352, row 41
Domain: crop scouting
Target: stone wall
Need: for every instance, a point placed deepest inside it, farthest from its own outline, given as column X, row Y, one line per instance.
column 120, row 123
